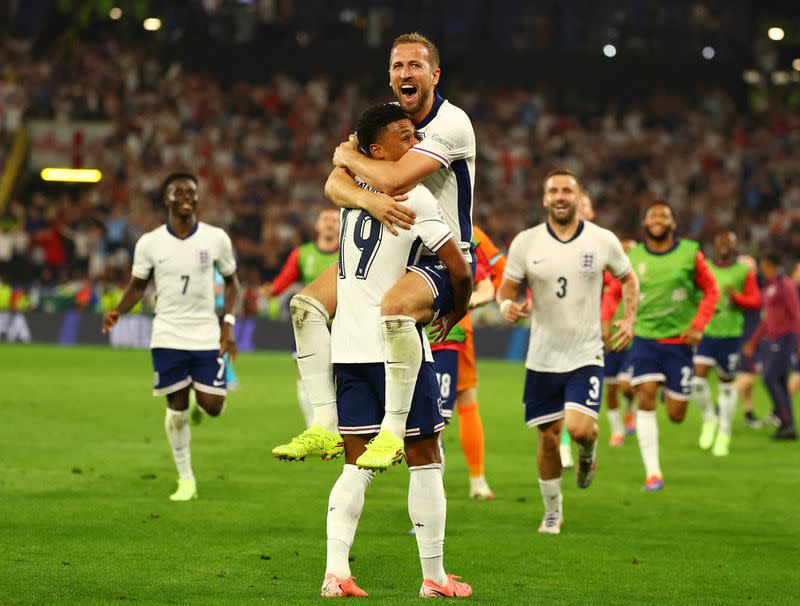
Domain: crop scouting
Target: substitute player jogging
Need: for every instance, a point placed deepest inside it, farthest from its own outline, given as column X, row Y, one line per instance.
column 722, row 341
column 371, row 261
column 187, row 345
column 562, row 261
column 678, row 298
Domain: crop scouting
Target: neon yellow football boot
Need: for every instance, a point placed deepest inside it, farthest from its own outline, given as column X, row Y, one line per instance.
column 383, row 451
column 313, row 442
column 187, row 490
column 707, row 434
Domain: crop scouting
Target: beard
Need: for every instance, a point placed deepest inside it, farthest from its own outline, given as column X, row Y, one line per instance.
column 658, row 238
column 567, row 219
column 422, row 99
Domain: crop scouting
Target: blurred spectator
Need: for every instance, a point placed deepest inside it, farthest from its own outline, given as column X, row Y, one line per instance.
column 262, row 151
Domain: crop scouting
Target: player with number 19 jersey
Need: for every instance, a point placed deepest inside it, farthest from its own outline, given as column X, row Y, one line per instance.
column 371, row 261
column 183, row 272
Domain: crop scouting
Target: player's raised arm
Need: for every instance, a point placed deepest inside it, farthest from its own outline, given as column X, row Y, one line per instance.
column 341, row 189
column 389, row 177
column 132, row 295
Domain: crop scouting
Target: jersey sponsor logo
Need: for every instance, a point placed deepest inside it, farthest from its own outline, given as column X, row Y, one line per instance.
column 537, row 261
column 588, row 261
column 204, row 257
column 218, row 383
column 156, row 379
column 442, row 141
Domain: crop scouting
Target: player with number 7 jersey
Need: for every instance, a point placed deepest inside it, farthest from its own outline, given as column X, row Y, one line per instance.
column 188, row 345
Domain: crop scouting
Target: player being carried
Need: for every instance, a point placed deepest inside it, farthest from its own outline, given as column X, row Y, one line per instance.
column 562, row 262
column 445, row 163
column 721, row 342
column 303, row 265
column 188, row 347
column 371, row 261
column 673, row 275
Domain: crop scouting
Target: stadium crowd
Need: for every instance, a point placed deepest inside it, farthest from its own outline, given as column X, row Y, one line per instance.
column 263, row 152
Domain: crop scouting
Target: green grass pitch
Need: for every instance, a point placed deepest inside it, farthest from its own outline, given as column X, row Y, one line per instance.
column 85, row 472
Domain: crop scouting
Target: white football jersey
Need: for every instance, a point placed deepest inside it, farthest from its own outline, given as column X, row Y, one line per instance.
column 183, row 272
column 566, row 280
column 371, row 261
column 447, row 136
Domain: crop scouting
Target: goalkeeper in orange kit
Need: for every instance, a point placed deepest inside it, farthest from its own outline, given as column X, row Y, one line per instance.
column 454, row 361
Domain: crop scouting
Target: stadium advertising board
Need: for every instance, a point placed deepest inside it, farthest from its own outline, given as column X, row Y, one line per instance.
column 133, row 331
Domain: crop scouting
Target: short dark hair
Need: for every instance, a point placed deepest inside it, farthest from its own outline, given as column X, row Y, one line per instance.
column 562, row 171
column 772, row 256
column 374, row 120
column 657, row 203
column 176, row 177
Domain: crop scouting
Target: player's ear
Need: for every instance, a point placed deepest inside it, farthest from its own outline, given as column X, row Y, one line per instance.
column 376, row 151
column 437, row 73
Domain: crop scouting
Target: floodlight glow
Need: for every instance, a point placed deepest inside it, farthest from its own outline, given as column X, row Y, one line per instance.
column 609, row 50
column 71, row 175
column 709, row 52
column 751, row 76
column 152, row 24
column 775, row 33
column 115, row 13
column 796, row 65
column 780, row 78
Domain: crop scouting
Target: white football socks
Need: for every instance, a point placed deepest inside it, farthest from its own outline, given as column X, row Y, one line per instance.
column 179, row 435
column 551, row 495
column 403, row 351
column 615, row 420
column 727, row 406
column 647, row 434
column 305, row 405
column 313, row 339
column 427, row 508
column 702, row 394
column 345, row 504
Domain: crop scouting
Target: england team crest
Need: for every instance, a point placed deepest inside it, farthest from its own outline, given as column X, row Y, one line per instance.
column 588, row 261
column 203, row 257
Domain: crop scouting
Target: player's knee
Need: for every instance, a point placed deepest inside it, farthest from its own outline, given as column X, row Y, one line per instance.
column 393, row 306
column 677, row 415
column 303, row 307
column 550, row 439
column 583, row 433
column 213, row 407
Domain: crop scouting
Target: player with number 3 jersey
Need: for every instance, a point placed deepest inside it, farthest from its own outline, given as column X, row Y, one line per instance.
column 562, row 262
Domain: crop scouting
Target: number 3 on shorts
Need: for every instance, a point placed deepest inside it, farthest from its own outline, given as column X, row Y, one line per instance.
column 594, row 390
